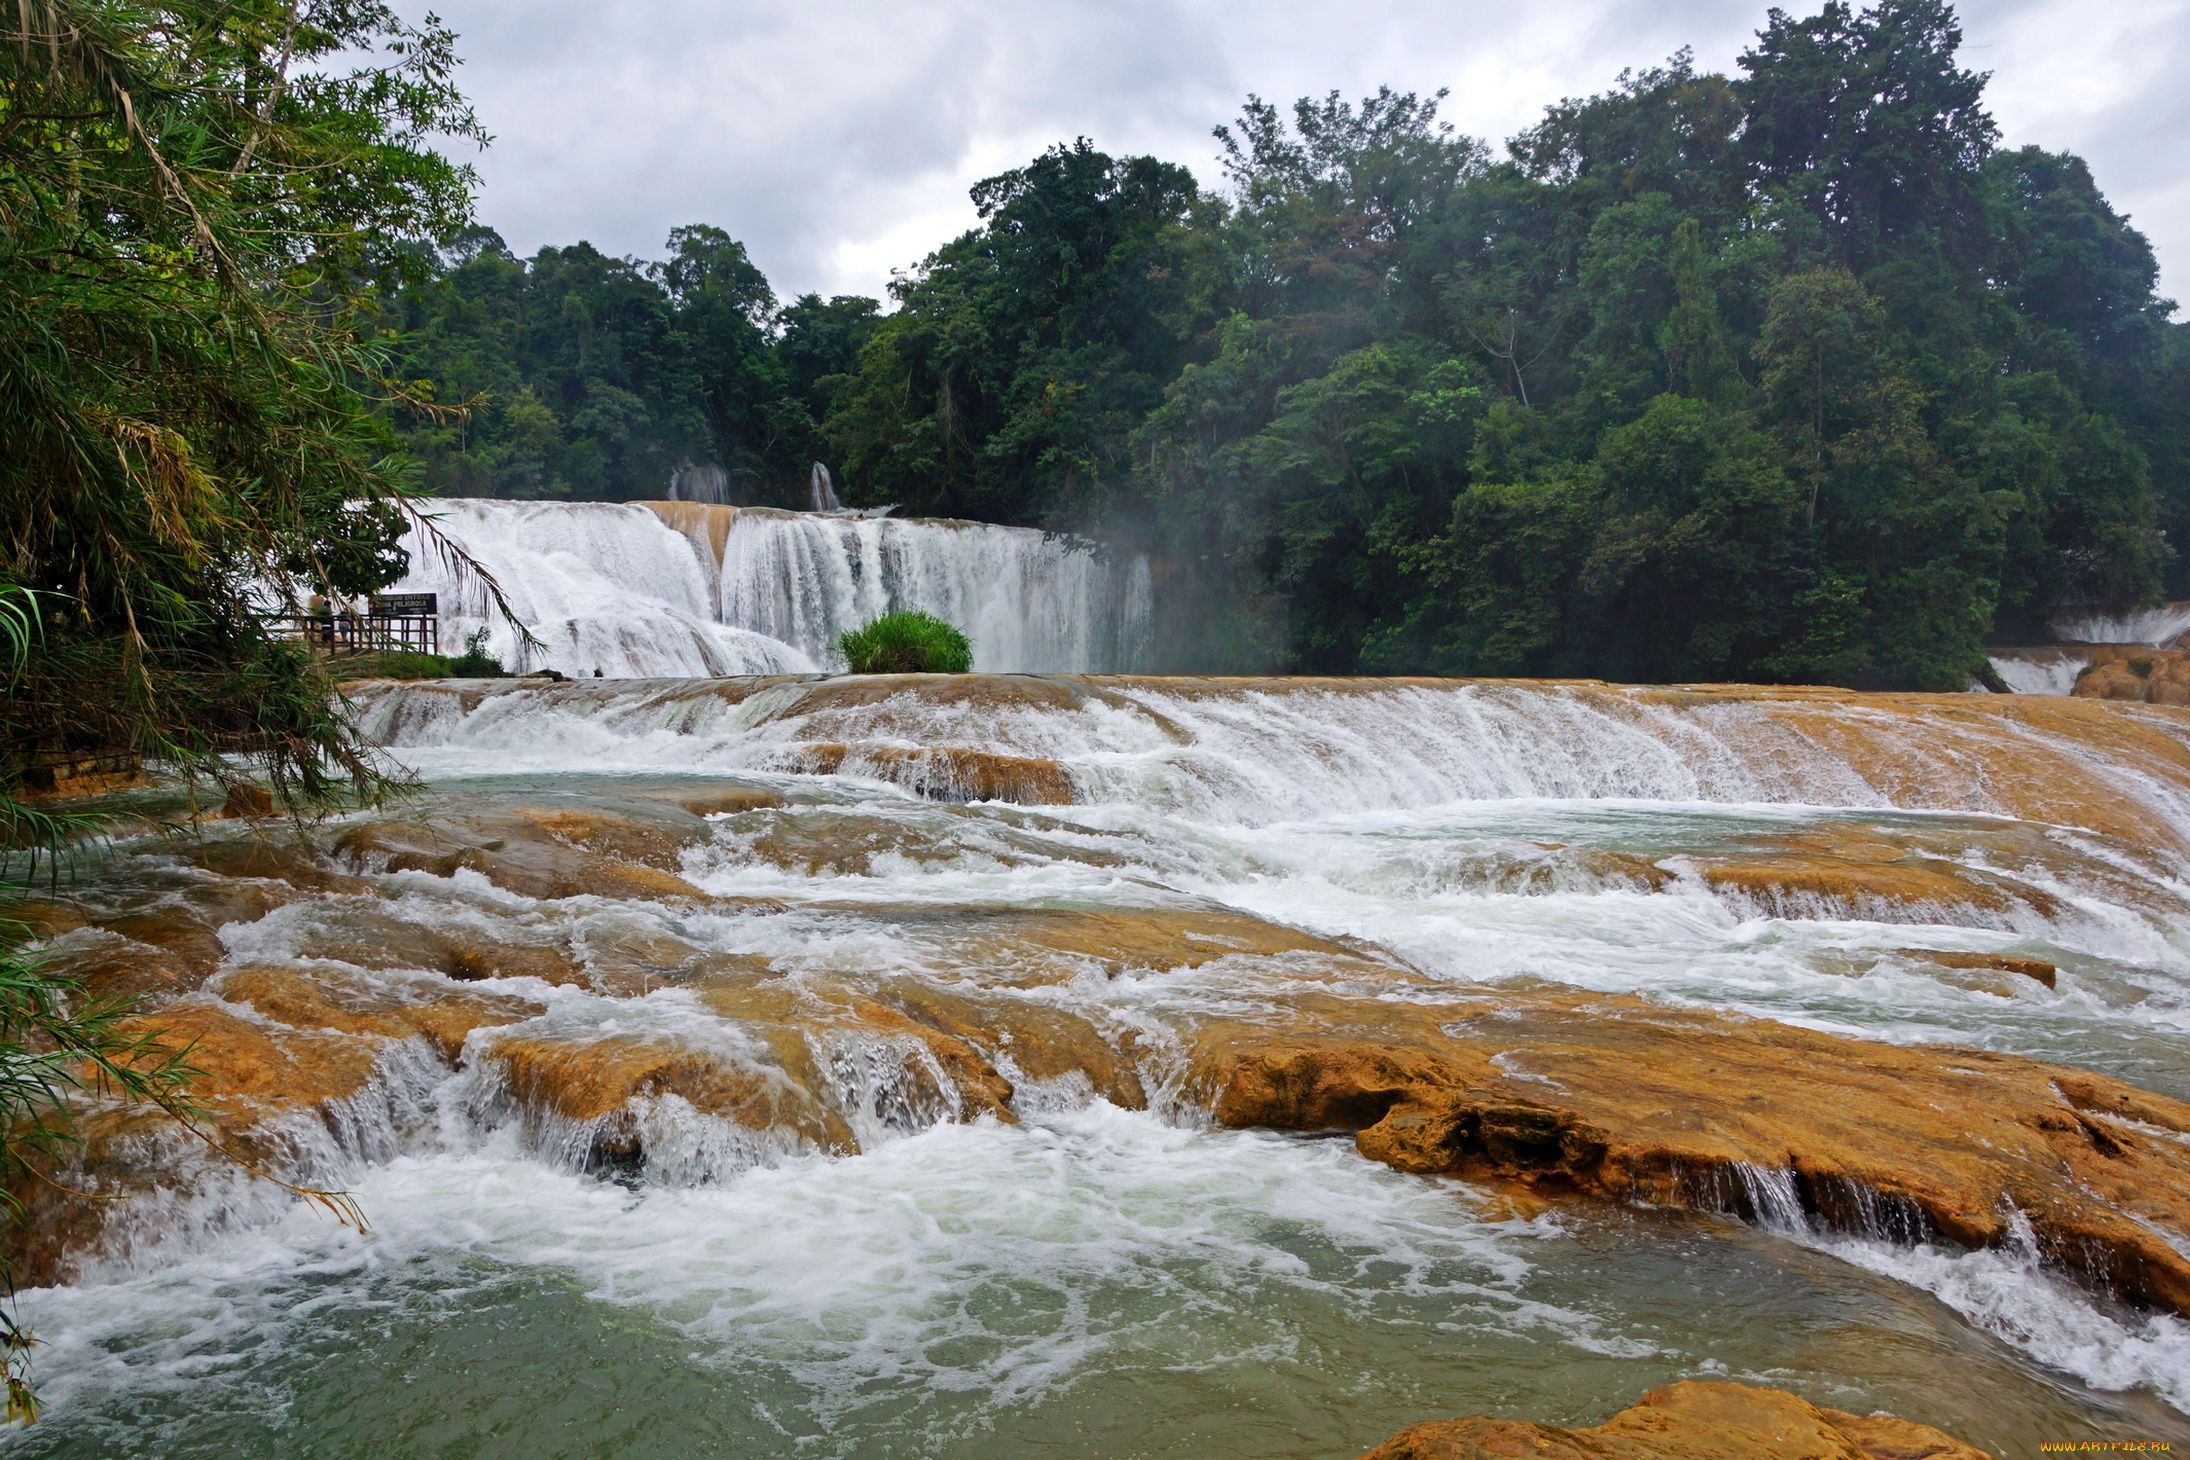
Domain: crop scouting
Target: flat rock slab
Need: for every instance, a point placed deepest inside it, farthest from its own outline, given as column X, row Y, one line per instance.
column 1687, row 1421
column 1618, row 1097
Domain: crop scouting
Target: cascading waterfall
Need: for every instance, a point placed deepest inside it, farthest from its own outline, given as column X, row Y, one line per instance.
column 600, row 588
column 1271, row 751
column 680, row 589
column 2049, row 669
column 2052, row 669
column 1030, row 601
column 699, row 481
column 2157, row 627
column 832, row 1063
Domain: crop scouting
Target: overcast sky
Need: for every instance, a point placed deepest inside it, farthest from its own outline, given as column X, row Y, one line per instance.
column 837, row 138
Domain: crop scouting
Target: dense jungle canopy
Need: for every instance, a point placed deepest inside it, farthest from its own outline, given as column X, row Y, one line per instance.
column 1793, row 374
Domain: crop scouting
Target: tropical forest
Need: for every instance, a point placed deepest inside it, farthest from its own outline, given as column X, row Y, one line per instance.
column 1787, row 375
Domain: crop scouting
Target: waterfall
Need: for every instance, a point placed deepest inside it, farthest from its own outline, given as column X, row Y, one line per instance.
column 2052, row 669
column 2158, row 627
column 679, row 589
column 1030, row 601
column 2049, row 669
column 824, row 491
column 600, row 587
column 1262, row 752
column 702, row 481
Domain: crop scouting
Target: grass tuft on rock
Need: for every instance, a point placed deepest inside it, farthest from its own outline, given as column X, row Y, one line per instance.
column 910, row 642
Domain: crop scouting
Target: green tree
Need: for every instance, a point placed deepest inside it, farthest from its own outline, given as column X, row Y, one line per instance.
column 1023, row 354
column 197, row 199
column 1864, row 120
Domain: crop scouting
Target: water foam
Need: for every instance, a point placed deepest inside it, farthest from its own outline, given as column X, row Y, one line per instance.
column 968, row 1259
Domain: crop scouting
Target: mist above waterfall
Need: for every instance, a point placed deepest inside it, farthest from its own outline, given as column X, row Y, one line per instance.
column 683, row 588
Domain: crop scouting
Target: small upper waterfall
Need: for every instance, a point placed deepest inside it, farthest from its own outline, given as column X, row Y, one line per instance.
column 823, row 490
column 2052, row 669
column 684, row 588
column 2159, row 626
column 701, row 481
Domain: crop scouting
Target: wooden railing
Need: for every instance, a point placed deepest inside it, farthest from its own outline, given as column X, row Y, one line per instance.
column 406, row 623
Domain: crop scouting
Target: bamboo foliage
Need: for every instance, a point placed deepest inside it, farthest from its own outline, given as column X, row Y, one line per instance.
column 197, row 203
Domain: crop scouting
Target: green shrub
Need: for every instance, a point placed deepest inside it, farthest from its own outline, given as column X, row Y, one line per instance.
column 475, row 662
column 395, row 664
column 910, row 642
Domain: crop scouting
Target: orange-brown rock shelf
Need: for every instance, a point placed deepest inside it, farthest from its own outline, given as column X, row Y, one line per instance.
column 1615, row 1096
column 2080, row 762
column 1587, row 1095
column 1687, row 1421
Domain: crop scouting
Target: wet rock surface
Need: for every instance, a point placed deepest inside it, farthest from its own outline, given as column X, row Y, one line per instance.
column 1688, row 1421
column 1617, row 1097
column 1610, row 1096
column 859, row 935
column 2136, row 674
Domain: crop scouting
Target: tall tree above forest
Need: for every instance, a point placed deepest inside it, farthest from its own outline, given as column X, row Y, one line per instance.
column 1024, row 353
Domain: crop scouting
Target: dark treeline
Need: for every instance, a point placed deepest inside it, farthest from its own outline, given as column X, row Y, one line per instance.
column 1793, row 374
column 600, row 379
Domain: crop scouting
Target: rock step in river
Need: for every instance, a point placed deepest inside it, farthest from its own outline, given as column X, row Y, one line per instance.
column 1895, row 984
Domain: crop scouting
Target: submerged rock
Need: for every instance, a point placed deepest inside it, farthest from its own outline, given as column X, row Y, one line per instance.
column 1688, row 1421
column 942, row 773
column 1898, row 889
column 2037, row 970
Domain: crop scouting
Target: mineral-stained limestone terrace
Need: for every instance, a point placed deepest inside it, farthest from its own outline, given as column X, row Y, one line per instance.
column 1687, row 1422
column 763, row 938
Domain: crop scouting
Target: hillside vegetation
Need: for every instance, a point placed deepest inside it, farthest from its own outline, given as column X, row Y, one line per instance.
column 1788, row 374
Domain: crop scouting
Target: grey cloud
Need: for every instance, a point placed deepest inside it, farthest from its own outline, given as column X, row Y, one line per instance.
column 838, row 137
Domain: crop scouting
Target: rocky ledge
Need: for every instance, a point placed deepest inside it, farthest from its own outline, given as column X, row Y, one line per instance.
column 1617, row 1097
column 1687, row 1421
column 1179, row 1002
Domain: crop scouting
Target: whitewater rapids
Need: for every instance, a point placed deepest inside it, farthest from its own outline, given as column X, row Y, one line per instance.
column 1089, row 1278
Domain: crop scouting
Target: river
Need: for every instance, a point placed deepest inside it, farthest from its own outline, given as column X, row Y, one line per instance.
column 722, row 1177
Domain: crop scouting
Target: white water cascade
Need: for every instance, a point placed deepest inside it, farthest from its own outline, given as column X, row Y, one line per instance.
column 2158, row 627
column 2052, row 669
column 681, row 589
column 2047, row 669
column 678, row 1166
